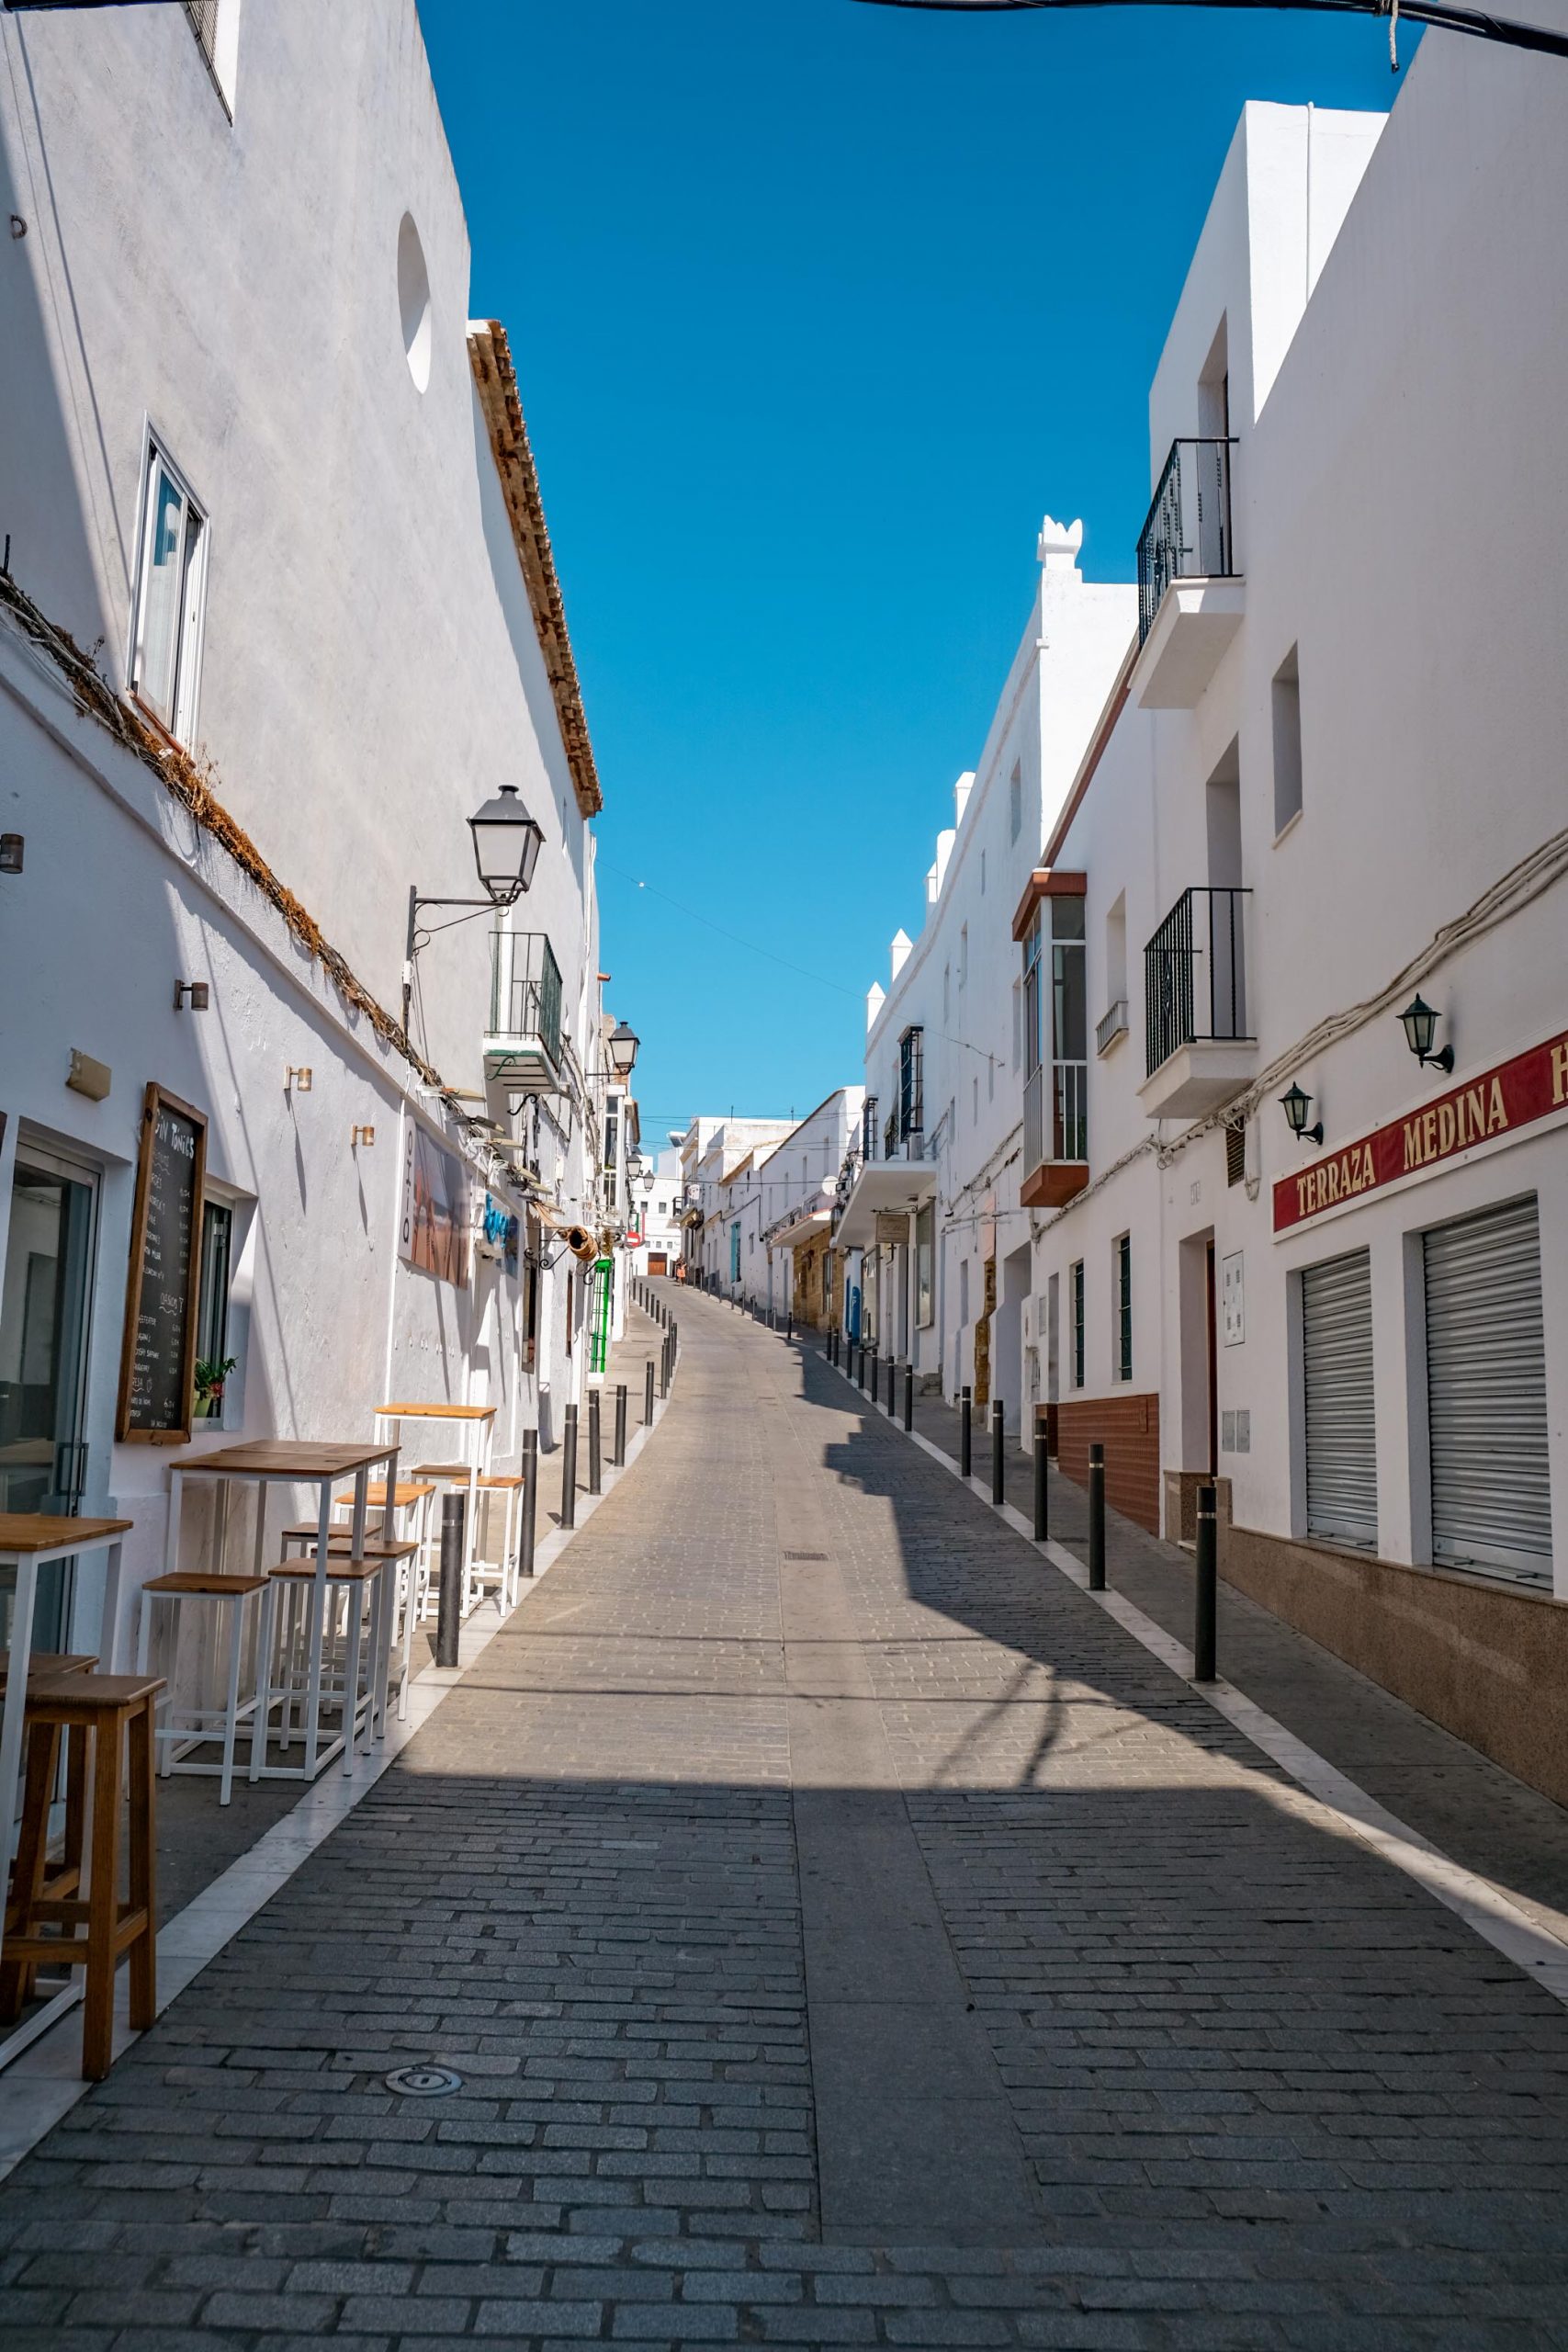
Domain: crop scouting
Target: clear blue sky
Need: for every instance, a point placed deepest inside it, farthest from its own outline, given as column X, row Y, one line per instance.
column 816, row 308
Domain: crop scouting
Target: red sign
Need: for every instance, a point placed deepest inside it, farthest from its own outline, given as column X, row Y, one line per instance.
column 1530, row 1087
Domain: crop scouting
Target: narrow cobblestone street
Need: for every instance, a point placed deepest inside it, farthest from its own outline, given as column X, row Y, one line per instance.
column 845, row 1933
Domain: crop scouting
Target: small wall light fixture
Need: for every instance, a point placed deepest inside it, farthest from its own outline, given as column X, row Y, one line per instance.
column 11, row 845
column 1420, row 1025
column 193, row 993
column 298, row 1081
column 365, row 1136
column 1295, row 1105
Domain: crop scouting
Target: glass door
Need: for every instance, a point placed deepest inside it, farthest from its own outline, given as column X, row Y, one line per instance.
column 44, row 1308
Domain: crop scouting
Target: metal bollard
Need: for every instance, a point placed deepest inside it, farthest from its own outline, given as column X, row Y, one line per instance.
column 530, row 1503
column 664, row 1370
column 892, row 1375
column 909, row 1395
column 1042, row 1505
column 965, row 1435
column 647, row 1395
column 789, row 1325
column 569, row 1469
column 1207, row 1598
column 619, row 1456
column 998, row 1489
column 449, row 1609
column 1096, row 1519
column 595, row 1445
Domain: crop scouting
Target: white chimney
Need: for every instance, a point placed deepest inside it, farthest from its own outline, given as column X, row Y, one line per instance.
column 943, row 852
column 961, row 792
column 902, row 943
column 1058, row 545
column 874, row 1000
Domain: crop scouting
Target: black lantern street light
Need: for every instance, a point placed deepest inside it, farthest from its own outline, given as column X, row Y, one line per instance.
column 1420, row 1024
column 507, row 842
column 1295, row 1105
column 621, row 1047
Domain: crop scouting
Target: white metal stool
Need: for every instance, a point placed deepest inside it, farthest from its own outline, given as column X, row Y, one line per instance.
column 178, row 1730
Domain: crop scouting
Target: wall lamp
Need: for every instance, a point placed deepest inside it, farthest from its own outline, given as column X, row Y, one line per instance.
column 1420, row 1025
column 11, row 846
column 360, row 1137
column 1295, row 1105
column 507, row 843
column 298, row 1081
column 620, row 1051
column 196, row 993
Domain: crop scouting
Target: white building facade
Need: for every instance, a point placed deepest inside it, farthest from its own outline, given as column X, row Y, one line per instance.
column 1287, row 1253
column 280, row 488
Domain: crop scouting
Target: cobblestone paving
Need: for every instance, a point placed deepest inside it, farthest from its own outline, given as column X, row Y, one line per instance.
column 845, row 1934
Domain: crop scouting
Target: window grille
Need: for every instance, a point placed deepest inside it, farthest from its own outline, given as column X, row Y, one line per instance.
column 1123, row 1247
column 911, row 1084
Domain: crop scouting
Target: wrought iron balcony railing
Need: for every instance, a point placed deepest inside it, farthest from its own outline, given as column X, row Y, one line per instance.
column 1188, row 533
column 1055, row 1116
column 1195, row 974
column 525, row 993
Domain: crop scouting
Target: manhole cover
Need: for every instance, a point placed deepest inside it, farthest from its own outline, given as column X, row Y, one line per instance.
column 806, row 1556
column 426, row 2081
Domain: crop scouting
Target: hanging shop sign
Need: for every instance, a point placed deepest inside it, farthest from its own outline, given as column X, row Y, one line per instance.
column 497, row 1235
column 158, row 1349
column 1513, row 1095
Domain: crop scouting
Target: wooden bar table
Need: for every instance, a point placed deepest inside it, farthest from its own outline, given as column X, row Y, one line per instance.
column 265, row 1462
column 474, row 1423
column 29, row 1542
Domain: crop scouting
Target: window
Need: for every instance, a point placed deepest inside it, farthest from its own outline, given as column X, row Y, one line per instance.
column 868, row 1128
column 166, row 654
column 1075, row 1281
column 911, row 1084
column 1015, row 801
column 1287, row 741
column 1121, row 1262
column 212, row 1293
column 925, row 1264
column 1236, row 1150
column 734, row 1253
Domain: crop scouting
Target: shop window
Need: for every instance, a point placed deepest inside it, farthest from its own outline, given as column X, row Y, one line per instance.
column 1075, row 1283
column 1121, row 1262
column 165, row 658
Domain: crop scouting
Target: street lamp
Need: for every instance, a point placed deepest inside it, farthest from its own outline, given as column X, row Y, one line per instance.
column 1295, row 1105
column 622, row 1046
column 1420, row 1024
column 507, row 842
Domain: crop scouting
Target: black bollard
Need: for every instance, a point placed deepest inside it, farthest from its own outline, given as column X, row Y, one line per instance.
column 789, row 1323
column 1042, row 1504
column 449, row 1598
column 569, row 1469
column 1207, row 1598
column 892, row 1375
column 965, row 1435
column 647, row 1394
column 909, row 1395
column 530, row 1501
column 1096, row 1519
column 595, row 1445
column 664, row 1368
column 619, row 1455
column 998, row 1441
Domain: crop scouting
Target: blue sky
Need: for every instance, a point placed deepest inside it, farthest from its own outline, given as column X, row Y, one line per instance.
column 816, row 308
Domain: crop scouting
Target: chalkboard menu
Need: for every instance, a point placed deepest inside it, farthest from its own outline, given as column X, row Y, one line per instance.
column 158, row 1360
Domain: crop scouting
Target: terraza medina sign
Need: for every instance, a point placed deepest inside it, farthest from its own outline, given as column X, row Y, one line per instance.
column 1513, row 1095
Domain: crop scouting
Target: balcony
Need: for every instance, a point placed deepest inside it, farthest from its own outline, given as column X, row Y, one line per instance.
column 1111, row 1027
column 1055, row 1134
column 1201, row 1047
column 522, row 1044
column 1190, row 597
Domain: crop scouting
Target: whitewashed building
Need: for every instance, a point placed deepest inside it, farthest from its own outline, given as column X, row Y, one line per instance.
column 279, row 618
column 798, row 1186
column 935, row 1204
column 1327, row 801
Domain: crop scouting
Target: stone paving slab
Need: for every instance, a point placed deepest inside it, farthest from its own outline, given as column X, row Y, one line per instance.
column 656, row 1882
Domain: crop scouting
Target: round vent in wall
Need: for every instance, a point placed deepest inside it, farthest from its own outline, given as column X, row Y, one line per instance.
column 414, row 301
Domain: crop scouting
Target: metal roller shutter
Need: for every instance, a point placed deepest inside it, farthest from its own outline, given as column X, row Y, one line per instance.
column 1486, row 1393
column 1341, row 1429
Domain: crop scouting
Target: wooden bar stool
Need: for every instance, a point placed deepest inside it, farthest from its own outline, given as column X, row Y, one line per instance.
column 186, row 1728
column 109, row 1722
column 481, row 1573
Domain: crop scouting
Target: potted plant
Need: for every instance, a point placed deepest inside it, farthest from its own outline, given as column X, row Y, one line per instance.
column 209, row 1379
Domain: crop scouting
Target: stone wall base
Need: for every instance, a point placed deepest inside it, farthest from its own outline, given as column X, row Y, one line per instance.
column 1487, row 1661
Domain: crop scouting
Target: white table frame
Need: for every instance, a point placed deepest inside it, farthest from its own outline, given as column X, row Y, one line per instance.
column 476, row 1423
column 318, row 1754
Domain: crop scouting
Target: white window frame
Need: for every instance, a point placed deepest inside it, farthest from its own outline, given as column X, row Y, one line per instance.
column 179, row 720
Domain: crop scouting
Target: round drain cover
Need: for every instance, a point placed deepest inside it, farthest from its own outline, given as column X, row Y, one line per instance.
column 423, row 2081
